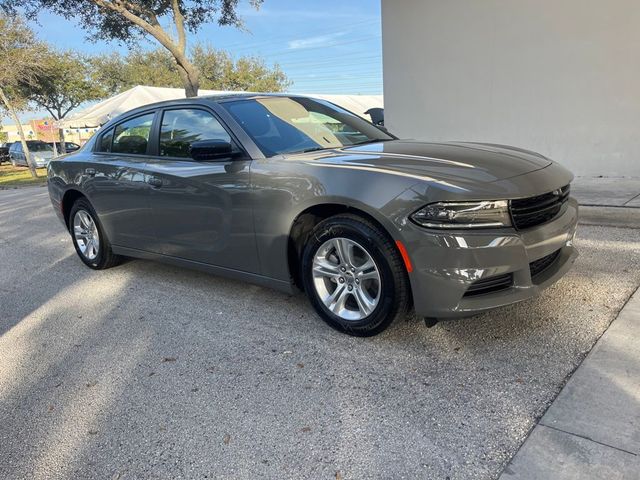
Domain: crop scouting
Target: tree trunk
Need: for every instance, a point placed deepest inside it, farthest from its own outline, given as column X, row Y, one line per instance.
column 23, row 140
column 63, row 145
column 190, row 79
column 188, row 72
column 190, row 76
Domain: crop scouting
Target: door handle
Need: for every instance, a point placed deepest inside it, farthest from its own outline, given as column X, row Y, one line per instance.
column 154, row 182
column 90, row 171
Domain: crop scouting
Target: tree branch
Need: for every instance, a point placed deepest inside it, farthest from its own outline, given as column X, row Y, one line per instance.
column 186, row 69
column 51, row 112
column 67, row 111
column 179, row 21
column 120, row 6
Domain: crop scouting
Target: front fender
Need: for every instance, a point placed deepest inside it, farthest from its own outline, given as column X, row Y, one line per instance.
column 282, row 191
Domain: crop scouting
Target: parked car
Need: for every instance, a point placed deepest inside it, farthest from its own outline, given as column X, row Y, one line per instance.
column 39, row 151
column 295, row 193
column 70, row 146
column 4, row 152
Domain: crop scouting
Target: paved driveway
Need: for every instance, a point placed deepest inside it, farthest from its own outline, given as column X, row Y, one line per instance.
column 150, row 371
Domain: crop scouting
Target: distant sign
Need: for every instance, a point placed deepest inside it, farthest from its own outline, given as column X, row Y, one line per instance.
column 45, row 125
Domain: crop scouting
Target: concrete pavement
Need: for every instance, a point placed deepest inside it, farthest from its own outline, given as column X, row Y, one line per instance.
column 607, row 191
column 592, row 430
column 608, row 201
column 150, row 371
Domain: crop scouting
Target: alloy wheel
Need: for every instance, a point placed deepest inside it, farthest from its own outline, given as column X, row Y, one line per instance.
column 346, row 278
column 86, row 236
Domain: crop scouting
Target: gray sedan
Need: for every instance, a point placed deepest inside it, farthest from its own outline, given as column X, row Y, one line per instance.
column 298, row 194
column 40, row 153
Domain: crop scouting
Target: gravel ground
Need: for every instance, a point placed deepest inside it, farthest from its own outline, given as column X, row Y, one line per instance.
column 150, row 371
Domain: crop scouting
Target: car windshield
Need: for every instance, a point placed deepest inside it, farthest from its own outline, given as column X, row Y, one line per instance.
column 280, row 125
column 39, row 147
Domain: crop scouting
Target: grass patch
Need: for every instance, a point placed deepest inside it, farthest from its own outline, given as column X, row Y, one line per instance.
column 11, row 176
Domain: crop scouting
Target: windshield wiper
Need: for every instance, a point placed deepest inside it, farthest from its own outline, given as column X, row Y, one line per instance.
column 307, row 150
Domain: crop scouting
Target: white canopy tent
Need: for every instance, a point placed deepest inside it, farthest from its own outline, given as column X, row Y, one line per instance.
column 102, row 112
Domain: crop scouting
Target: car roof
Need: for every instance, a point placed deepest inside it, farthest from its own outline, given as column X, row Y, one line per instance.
column 221, row 98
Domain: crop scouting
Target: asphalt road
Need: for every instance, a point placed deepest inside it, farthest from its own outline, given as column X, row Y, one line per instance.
column 150, row 371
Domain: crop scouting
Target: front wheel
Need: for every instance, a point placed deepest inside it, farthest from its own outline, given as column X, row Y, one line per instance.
column 354, row 275
column 89, row 239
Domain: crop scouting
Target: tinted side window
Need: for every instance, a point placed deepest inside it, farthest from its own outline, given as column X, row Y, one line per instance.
column 180, row 128
column 132, row 136
column 105, row 141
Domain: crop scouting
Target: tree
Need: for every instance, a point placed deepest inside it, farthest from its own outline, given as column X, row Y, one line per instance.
column 115, row 72
column 19, row 66
column 129, row 20
column 62, row 84
column 220, row 72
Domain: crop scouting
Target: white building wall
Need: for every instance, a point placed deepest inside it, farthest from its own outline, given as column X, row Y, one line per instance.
column 561, row 77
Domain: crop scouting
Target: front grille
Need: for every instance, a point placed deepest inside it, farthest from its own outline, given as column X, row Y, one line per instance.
column 490, row 285
column 532, row 211
column 538, row 266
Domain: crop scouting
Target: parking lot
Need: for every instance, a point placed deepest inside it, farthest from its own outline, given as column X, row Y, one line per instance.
column 151, row 371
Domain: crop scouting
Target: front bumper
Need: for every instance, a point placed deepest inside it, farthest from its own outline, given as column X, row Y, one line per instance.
column 446, row 264
column 41, row 163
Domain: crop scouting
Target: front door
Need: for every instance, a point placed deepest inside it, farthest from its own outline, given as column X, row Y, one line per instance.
column 201, row 209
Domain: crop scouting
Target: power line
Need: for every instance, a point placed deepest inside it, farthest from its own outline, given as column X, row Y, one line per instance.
column 337, row 69
column 333, row 61
column 337, row 81
column 337, row 44
column 244, row 46
column 336, row 86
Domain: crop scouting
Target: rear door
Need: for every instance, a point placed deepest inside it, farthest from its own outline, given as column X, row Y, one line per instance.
column 201, row 209
column 116, row 183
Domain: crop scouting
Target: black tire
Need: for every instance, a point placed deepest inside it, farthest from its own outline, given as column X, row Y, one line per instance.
column 394, row 296
column 105, row 257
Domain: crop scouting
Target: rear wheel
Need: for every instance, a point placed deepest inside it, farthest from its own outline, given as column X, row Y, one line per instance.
column 89, row 239
column 354, row 276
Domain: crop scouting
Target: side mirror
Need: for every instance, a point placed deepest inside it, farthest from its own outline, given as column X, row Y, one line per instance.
column 204, row 150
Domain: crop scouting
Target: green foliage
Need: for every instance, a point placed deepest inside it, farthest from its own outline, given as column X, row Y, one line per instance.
column 218, row 71
column 63, row 84
column 168, row 21
column 104, row 18
column 116, row 73
column 19, row 56
column 19, row 68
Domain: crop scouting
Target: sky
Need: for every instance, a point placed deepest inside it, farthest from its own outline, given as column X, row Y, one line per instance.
column 328, row 46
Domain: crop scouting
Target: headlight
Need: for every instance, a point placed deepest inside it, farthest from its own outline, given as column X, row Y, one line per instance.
column 489, row 214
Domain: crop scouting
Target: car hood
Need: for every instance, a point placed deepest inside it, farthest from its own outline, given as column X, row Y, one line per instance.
column 45, row 154
column 451, row 161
